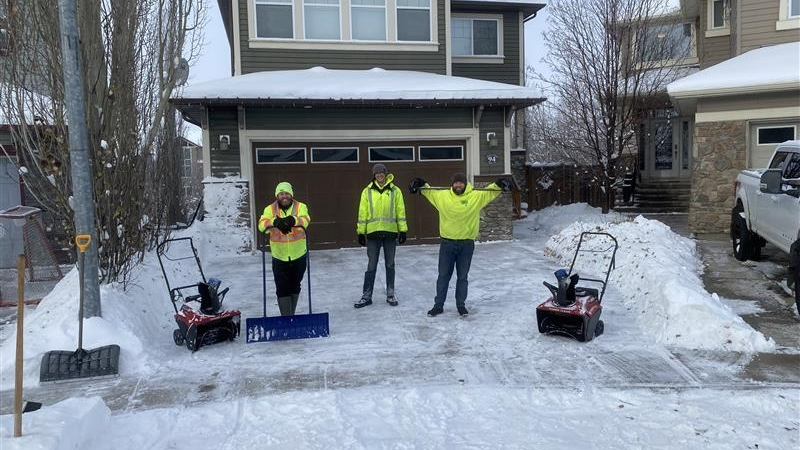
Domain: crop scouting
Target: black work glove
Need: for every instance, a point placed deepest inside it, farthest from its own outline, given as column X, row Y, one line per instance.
column 282, row 224
column 362, row 240
column 504, row 184
column 415, row 185
column 289, row 221
column 401, row 237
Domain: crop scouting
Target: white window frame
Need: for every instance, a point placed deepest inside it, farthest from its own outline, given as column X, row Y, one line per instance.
column 358, row 157
column 787, row 21
column 384, row 8
column 692, row 58
column 186, row 157
column 725, row 29
column 376, row 147
column 305, row 155
column 254, row 15
column 423, row 147
column 322, row 4
column 489, row 59
column 429, row 8
column 767, row 127
column 345, row 42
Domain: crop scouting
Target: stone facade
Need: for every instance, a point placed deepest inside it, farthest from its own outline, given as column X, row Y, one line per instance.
column 496, row 218
column 720, row 149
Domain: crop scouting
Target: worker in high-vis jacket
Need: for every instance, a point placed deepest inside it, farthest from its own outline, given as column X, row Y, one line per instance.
column 381, row 224
column 459, row 210
column 285, row 221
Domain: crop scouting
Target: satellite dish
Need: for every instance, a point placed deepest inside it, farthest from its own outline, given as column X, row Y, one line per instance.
column 181, row 72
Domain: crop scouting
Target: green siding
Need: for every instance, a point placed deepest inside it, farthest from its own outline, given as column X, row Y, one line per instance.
column 224, row 121
column 365, row 119
column 492, row 120
column 509, row 71
column 263, row 59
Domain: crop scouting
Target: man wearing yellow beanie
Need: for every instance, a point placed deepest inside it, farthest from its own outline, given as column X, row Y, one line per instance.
column 285, row 221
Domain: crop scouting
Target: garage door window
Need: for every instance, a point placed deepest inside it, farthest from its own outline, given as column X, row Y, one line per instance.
column 775, row 135
column 334, row 155
column 441, row 153
column 280, row 155
column 391, row 154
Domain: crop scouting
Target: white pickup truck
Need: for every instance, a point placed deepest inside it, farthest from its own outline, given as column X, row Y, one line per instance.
column 768, row 210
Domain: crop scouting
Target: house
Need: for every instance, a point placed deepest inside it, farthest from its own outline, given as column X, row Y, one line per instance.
column 742, row 102
column 323, row 89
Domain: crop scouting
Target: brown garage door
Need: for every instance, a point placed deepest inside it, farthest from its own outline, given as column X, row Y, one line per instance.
column 330, row 176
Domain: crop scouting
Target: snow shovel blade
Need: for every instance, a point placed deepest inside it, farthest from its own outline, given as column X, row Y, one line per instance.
column 282, row 328
column 62, row 365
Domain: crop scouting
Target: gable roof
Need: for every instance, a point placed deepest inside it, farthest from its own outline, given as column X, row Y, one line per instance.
column 373, row 88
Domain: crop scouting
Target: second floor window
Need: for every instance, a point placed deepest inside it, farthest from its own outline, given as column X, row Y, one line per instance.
column 475, row 37
column 368, row 18
column 321, row 19
column 794, row 8
column 274, row 19
column 666, row 42
column 414, row 20
column 720, row 10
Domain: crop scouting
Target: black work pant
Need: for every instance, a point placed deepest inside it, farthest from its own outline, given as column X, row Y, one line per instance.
column 288, row 275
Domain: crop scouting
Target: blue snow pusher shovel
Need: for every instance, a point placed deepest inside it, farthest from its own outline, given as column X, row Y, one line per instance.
column 282, row 328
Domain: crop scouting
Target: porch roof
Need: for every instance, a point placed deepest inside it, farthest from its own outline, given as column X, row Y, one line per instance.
column 373, row 88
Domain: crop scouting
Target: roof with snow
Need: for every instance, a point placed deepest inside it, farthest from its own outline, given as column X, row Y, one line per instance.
column 321, row 87
column 773, row 68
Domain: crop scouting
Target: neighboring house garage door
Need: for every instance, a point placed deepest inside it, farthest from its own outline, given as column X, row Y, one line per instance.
column 765, row 137
column 330, row 176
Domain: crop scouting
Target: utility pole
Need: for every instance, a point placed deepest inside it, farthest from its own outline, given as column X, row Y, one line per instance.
column 79, row 153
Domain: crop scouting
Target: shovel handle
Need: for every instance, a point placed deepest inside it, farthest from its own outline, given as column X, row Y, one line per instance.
column 83, row 241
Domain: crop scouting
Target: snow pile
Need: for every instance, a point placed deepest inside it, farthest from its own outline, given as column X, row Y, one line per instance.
column 657, row 272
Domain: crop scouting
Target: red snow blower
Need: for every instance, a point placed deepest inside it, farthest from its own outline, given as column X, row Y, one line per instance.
column 572, row 310
column 200, row 318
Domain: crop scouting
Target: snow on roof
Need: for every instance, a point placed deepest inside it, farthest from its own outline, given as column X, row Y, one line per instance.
column 770, row 68
column 319, row 83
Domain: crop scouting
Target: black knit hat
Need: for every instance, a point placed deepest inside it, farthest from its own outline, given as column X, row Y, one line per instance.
column 379, row 168
column 458, row 177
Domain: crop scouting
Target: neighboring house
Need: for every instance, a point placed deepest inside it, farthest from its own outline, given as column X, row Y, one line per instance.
column 191, row 175
column 744, row 100
column 323, row 89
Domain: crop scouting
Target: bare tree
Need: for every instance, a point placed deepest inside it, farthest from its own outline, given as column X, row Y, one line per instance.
column 131, row 54
column 609, row 59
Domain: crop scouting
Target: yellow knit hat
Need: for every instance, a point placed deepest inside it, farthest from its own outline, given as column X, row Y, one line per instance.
column 284, row 186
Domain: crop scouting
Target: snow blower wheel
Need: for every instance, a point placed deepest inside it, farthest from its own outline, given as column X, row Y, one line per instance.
column 178, row 337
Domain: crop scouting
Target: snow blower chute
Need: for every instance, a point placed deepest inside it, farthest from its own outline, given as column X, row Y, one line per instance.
column 64, row 365
column 200, row 318
column 572, row 310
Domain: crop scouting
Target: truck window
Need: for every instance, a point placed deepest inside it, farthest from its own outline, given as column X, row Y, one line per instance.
column 777, row 161
column 791, row 169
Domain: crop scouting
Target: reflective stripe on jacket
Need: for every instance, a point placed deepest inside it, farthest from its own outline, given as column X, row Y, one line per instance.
column 291, row 246
column 381, row 209
column 459, row 215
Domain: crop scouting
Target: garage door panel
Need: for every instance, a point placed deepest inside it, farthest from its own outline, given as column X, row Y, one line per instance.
column 332, row 190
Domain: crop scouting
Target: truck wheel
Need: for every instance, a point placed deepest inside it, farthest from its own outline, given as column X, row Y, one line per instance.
column 741, row 238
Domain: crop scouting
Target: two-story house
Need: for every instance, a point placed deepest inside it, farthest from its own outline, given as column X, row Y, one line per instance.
column 323, row 89
column 744, row 99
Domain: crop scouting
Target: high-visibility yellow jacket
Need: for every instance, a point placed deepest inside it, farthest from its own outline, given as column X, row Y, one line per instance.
column 459, row 215
column 381, row 209
column 291, row 246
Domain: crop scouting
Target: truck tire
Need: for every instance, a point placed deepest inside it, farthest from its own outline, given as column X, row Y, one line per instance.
column 745, row 245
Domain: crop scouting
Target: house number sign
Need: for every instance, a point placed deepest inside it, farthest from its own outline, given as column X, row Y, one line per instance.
column 491, row 159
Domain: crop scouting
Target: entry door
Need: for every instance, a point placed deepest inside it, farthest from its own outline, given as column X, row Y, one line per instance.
column 667, row 148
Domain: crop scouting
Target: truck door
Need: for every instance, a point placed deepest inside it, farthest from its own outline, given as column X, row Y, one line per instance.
column 774, row 212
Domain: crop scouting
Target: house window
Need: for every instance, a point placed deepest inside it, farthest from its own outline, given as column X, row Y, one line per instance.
column 667, row 42
column 475, row 37
column 414, row 20
column 368, row 20
column 441, row 153
column 788, row 15
column 187, row 162
column 391, row 154
column 280, row 155
column 775, row 135
column 720, row 11
column 334, row 155
column 321, row 19
column 274, row 19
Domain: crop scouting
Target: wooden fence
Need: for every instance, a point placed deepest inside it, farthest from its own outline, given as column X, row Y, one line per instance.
column 561, row 184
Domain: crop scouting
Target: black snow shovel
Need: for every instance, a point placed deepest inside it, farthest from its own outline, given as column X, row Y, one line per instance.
column 64, row 365
column 282, row 328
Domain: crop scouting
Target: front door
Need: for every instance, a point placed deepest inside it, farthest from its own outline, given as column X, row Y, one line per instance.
column 665, row 146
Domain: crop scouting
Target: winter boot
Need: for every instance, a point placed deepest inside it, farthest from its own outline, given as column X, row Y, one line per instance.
column 363, row 302
column 391, row 300
column 462, row 311
column 294, row 302
column 285, row 305
column 435, row 311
